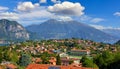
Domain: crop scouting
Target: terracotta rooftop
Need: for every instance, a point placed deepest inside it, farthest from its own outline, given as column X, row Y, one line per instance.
column 11, row 66
column 37, row 66
column 1, row 67
column 46, row 66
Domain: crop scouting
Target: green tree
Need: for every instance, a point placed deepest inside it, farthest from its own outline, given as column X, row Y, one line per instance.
column 14, row 56
column 115, row 64
column 58, row 60
column 1, row 57
column 104, row 59
column 88, row 62
column 6, row 55
column 24, row 60
column 99, row 61
column 45, row 57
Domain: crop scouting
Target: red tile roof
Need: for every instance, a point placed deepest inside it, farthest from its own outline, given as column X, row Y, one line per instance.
column 37, row 66
column 11, row 66
column 1, row 67
column 46, row 66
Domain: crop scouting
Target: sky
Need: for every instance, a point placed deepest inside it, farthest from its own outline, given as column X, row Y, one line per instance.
column 101, row 14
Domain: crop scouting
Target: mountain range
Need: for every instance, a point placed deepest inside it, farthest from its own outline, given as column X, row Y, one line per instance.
column 53, row 29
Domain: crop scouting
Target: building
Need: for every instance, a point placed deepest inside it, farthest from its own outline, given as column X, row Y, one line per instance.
column 63, row 55
column 65, row 61
column 52, row 61
column 79, row 52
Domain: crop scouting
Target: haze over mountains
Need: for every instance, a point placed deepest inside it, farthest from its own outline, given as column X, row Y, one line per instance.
column 53, row 29
column 113, row 32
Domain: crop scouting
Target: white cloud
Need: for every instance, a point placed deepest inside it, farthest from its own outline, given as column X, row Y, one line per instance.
column 100, row 27
column 9, row 15
column 56, row 1
column 62, row 18
column 67, row 8
column 65, row 18
column 36, row 16
column 27, row 13
column 85, row 18
column 27, row 6
column 117, row 14
column 43, row 1
column 89, row 19
column 30, row 13
column 97, row 20
column 3, row 8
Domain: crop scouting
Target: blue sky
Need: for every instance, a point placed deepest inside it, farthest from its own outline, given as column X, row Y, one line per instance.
column 97, row 13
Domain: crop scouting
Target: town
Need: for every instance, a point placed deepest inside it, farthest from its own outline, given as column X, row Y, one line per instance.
column 55, row 54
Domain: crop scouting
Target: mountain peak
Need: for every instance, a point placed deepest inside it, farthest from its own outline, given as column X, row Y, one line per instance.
column 55, row 21
column 59, row 20
column 12, row 30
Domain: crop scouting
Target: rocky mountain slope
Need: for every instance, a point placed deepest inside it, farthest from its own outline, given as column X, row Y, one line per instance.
column 12, row 30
